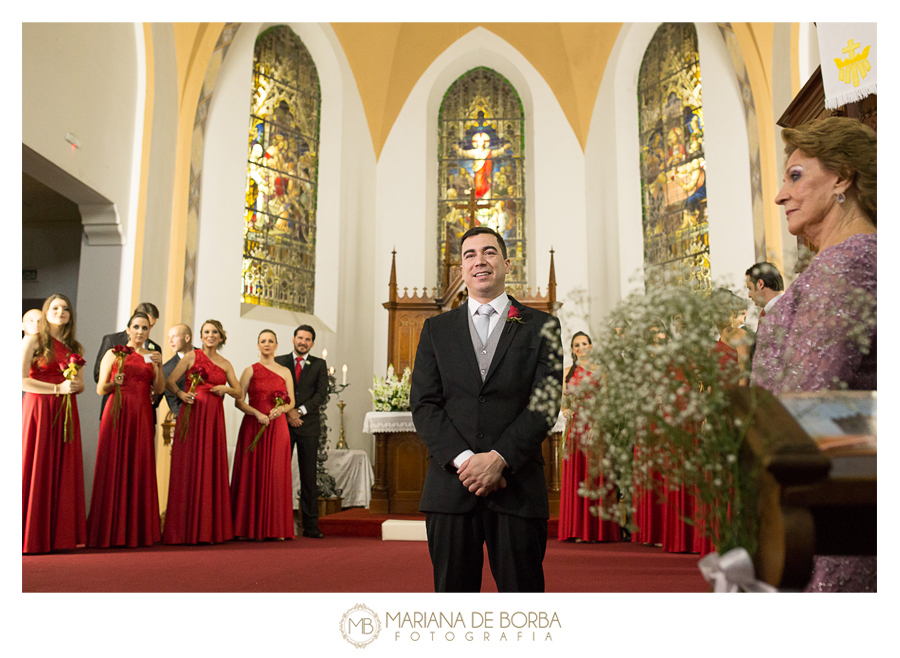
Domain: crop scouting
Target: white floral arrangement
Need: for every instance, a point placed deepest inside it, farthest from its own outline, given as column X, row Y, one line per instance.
column 390, row 393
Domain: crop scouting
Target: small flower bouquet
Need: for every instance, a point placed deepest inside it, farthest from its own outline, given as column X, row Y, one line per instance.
column 69, row 371
column 121, row 353
column 196, row 377
column 278, row 399
column 390, row 393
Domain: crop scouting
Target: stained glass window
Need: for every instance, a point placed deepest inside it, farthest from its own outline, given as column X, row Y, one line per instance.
column 481, row 168
column 279, row 264
column 673, row 167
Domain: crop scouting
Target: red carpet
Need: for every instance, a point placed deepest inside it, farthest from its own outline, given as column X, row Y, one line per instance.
column 341, row 564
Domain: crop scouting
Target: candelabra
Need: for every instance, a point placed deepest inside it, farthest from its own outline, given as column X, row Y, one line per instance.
column 338, row 389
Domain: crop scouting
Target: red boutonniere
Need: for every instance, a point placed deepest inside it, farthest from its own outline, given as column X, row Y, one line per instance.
column 198, row 376
column 513, row 316
column 278, row 398
column 69, row 370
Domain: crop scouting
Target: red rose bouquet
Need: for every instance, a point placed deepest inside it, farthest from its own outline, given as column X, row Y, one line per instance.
column 121, row 353
column 196, row 377
column 278, row 399
column 70, row 371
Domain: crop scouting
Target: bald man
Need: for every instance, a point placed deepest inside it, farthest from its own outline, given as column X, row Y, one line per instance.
column 30, row 321
column 179, row 339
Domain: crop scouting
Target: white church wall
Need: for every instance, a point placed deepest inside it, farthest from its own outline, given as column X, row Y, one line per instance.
column 729, row 198
column 160, row 177
column 343, row 142
column 782, row 95
column 406, row 212
column 97, row 69
column 613, row 162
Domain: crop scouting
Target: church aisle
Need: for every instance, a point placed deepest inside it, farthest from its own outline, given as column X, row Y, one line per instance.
column 341, row 564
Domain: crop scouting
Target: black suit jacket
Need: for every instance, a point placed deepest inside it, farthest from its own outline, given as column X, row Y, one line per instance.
column 453, row 410
column 110, row 341
column 171, row 398
column 311, row 390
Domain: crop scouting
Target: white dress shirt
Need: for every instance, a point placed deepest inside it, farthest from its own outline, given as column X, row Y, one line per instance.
column 305, row 361
column 499, row 305
column 768, row 307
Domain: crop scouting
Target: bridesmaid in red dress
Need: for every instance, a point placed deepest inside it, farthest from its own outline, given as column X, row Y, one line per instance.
column 124, row 500
column 261, row 478
column 199, row 504
column 575, row 518
column 649, row 508
column 52, row 471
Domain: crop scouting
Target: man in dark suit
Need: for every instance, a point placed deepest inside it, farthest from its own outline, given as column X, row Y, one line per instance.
column 121, row 338
column 310, row 392
column 475, row 369
column 179, row 338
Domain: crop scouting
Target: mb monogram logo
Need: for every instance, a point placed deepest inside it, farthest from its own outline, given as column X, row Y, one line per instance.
column 360, row 626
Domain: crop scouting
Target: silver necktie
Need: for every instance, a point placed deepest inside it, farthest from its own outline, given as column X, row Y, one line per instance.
column 483, row 321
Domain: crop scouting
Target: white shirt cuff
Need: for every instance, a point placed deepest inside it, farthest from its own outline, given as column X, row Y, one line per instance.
column 302, row 409
column 462, row 457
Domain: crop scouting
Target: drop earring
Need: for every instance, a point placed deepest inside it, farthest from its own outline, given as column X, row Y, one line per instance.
column 841, row 198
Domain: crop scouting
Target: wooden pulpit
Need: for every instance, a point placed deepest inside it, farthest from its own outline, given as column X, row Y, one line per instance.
column 401, row 457
column 813, row 498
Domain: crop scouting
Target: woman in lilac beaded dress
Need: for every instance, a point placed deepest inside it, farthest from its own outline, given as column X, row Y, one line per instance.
column 822, row 334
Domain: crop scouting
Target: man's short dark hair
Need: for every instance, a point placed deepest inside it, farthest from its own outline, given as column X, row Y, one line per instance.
column 148, row 308
column 305, row 327
column 477, row 230
column 768, row 274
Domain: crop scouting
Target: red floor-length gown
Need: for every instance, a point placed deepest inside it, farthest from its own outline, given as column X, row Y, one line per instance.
column 649, row 511
column 261, row 480
column 575, row 518
column 52, row 470
column 199, row 504
column 124, row 499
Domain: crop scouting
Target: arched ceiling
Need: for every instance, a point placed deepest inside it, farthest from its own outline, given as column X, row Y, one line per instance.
column 387, row 59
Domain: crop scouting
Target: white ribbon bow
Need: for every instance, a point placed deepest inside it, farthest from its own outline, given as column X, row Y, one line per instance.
column 732, row 572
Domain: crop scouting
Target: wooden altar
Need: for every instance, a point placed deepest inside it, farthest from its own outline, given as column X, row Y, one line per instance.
column 401, row 457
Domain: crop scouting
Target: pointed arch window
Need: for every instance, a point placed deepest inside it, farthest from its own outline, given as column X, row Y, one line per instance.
column 279, row 261
column 673, row 166
column 481, row 169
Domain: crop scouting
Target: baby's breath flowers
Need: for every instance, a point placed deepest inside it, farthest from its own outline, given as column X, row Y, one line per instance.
column 661, row 394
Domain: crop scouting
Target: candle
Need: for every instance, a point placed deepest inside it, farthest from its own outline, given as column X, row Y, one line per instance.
column 331, row 370
column 344, row 382
column 324, row 354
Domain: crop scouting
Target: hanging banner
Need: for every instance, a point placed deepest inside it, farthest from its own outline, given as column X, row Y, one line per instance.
column 848, row 53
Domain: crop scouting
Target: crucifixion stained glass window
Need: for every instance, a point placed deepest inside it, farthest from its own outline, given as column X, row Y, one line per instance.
column 279, row 265
column 481, row 169
column 673, row 167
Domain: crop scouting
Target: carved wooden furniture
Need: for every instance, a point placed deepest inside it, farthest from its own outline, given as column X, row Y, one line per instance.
column 806, row 507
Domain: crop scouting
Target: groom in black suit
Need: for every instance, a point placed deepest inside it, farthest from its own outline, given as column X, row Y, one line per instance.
column 475, row 369
column 310, row 390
